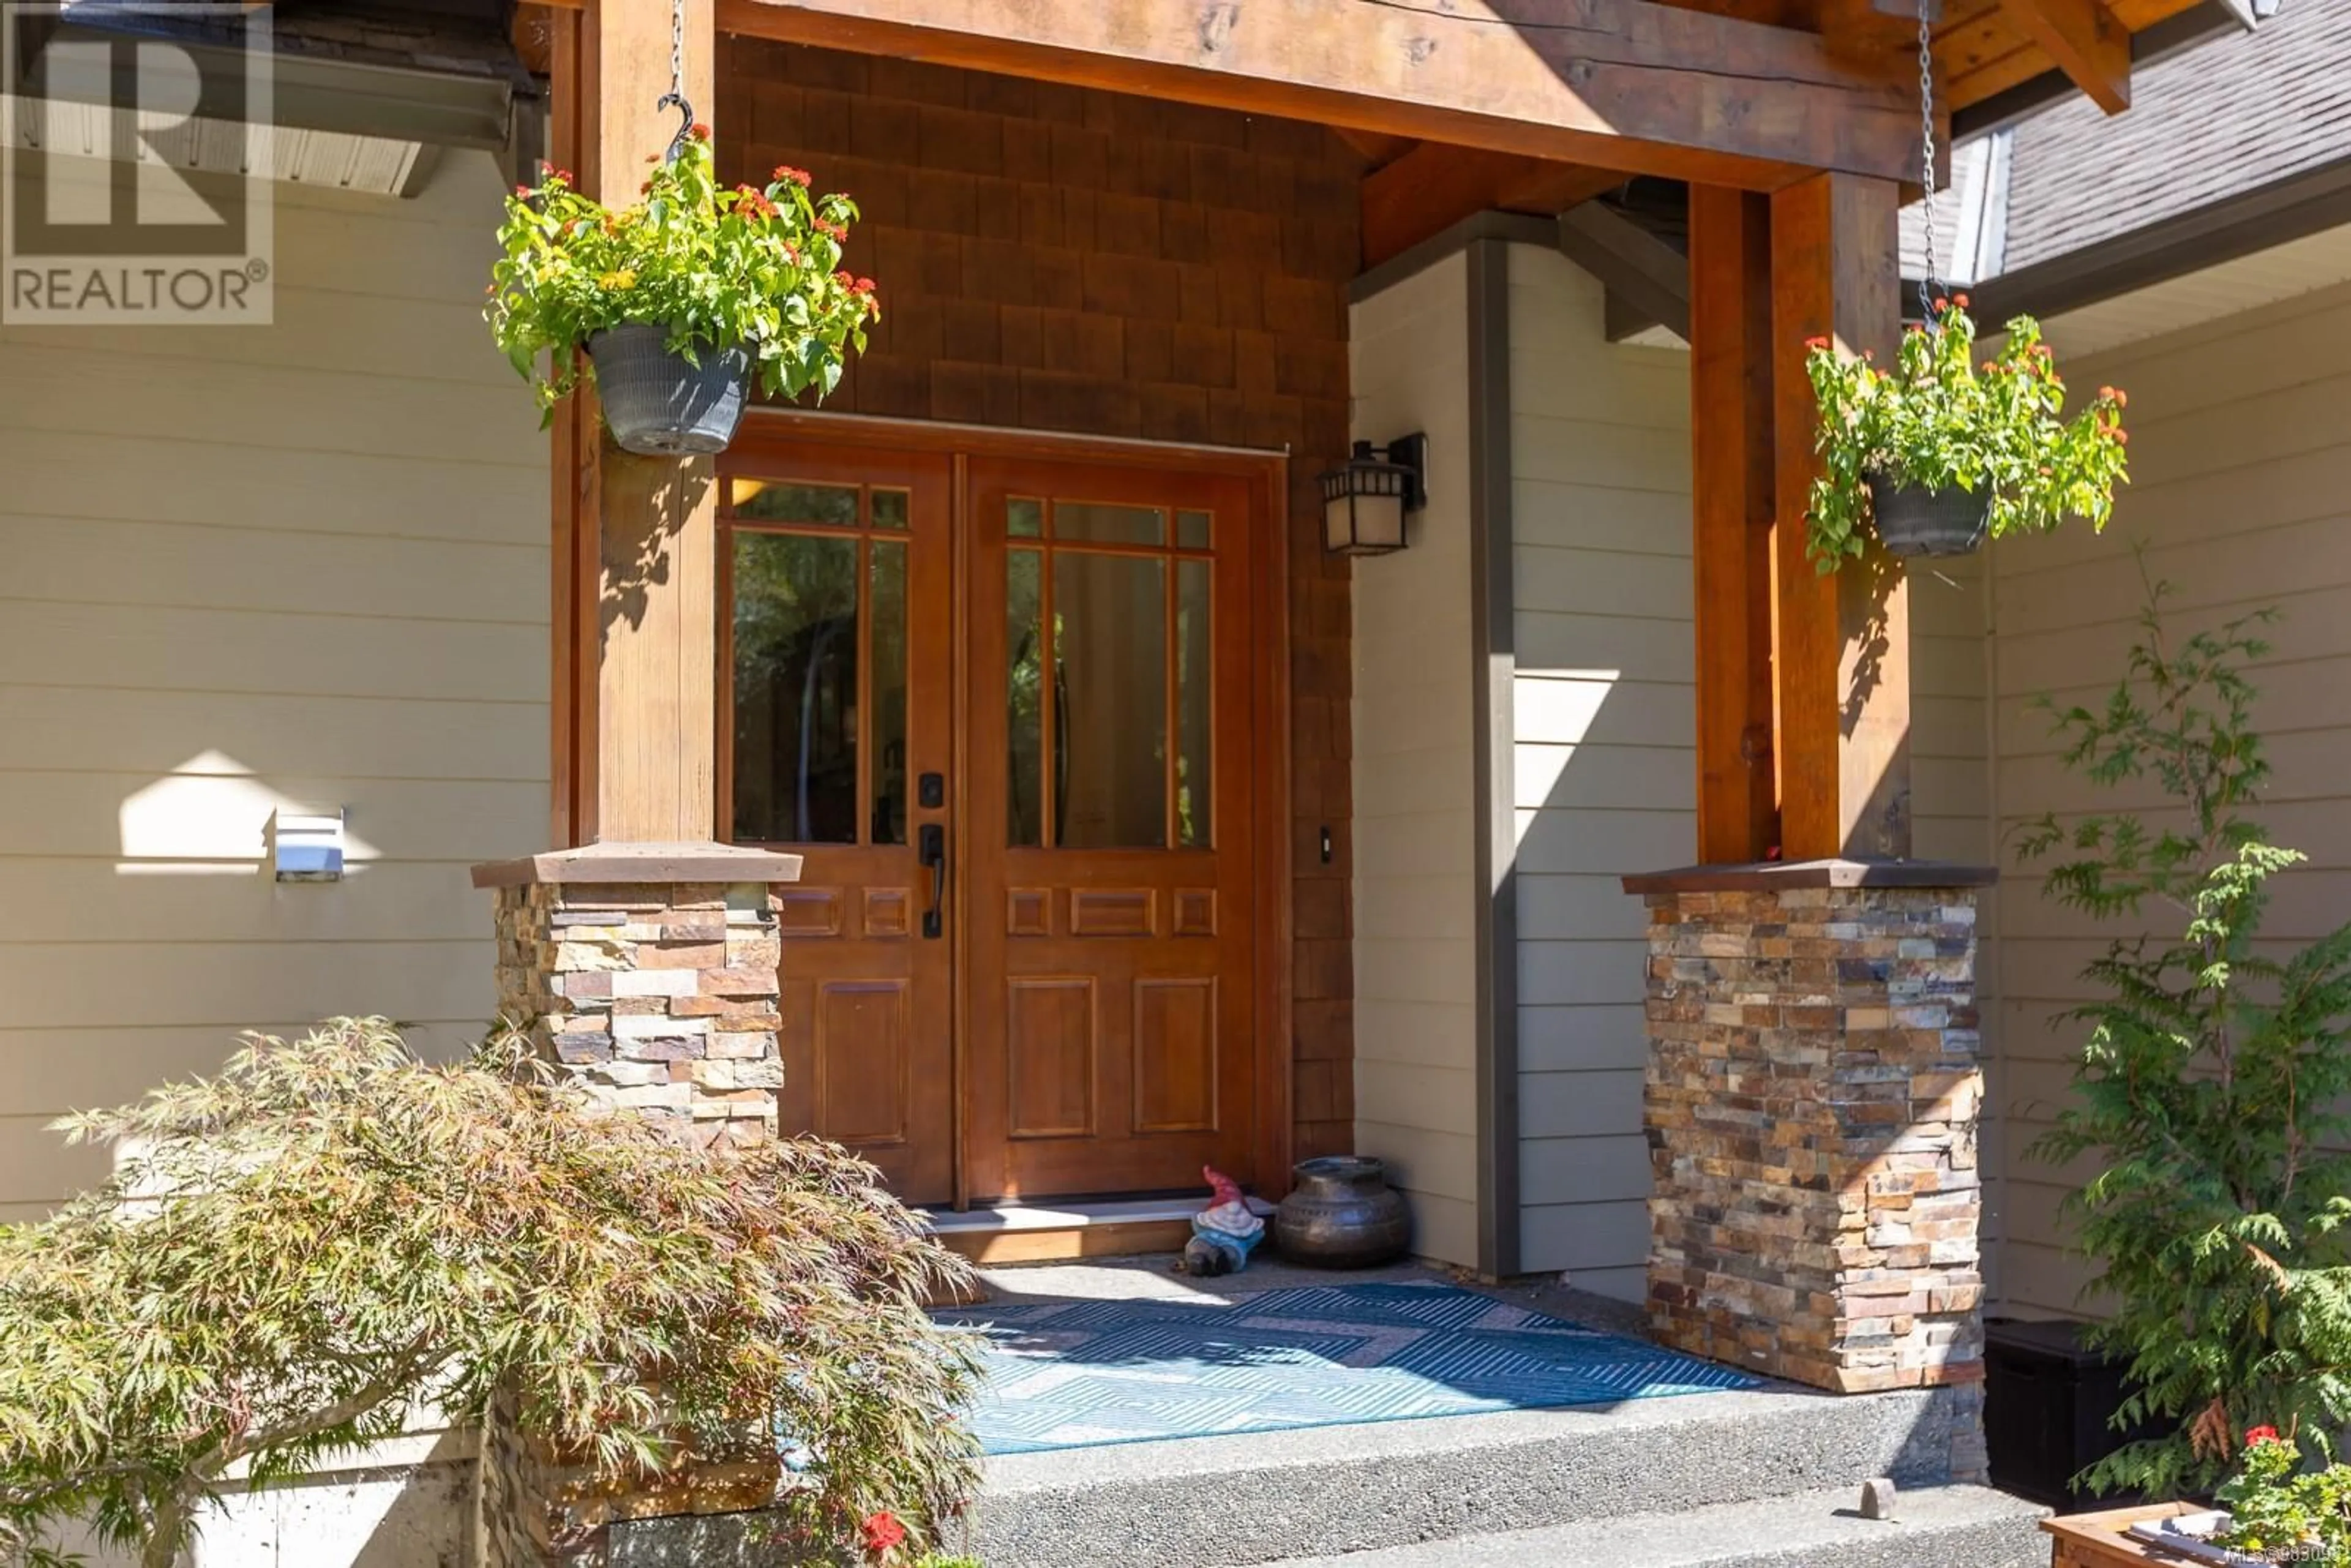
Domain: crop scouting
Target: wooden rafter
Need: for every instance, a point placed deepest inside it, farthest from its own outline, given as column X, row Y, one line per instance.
column 1434, row 186
column 2087, row 44
column 1622, row 84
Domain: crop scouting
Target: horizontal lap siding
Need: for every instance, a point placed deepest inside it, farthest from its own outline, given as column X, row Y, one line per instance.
column 301, row 564
column 1601, row 514
column 2241, row 494
column 1416, row 875
column 1606, row 721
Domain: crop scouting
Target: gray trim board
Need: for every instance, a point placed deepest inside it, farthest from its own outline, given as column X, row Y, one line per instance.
column 1641, row 272
column 1494, row 726
column 2255, row 220
column 1485, row 225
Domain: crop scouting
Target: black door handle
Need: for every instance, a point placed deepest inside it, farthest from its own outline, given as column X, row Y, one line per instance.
column 932, row 850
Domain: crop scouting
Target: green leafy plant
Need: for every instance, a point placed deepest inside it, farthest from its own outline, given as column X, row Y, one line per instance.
column 718, row 268
column 2210, row 1091
column 2277, row 1506
column 1938, row 420
column 301, row 1254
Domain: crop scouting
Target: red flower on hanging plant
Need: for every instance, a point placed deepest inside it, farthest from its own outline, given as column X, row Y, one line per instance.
column 882, row 1533
column 2260, row 1435
column 784, row 174
column 700, row 131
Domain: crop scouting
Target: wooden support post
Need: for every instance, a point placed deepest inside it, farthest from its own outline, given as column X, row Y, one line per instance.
column 644, row 664
column 1732, row 478
column 1842, row 641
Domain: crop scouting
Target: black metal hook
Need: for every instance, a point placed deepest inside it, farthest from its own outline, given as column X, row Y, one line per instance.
column 684, row 123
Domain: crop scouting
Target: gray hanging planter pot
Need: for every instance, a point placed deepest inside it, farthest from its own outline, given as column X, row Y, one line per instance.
column 658, row 404
column 1913, row 521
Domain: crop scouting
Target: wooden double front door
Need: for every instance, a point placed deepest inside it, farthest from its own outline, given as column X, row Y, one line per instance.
column 1004, row 708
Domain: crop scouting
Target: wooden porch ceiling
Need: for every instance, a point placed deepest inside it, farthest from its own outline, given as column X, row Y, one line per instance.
column 1528, row 105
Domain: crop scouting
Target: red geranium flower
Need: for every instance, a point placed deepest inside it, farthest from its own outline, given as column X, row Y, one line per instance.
column 2260, row 1435
column 1961, row 301
column 882, row 1533
column 701, row 131
column 785, row 171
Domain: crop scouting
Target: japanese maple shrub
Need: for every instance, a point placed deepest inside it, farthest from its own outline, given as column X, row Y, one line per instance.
column 1938, row 420
column 302, row 1253
column 2210, row 1091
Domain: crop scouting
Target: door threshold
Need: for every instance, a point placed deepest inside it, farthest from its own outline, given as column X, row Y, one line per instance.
column 1051, row 1232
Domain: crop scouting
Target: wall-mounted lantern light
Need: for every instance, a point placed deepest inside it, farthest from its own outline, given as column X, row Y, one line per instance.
column 1364, row 503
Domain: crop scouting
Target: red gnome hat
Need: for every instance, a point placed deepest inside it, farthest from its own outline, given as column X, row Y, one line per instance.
column 1227, row 1189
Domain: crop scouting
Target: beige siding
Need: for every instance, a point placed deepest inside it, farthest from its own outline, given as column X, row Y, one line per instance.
column 2240, row 458
column 1605, row 745
column 300, row 565
column 1415, row 884
column 1606, row 769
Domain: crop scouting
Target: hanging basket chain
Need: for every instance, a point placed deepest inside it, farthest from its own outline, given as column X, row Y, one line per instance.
column 1930, row 286
column 676, row 97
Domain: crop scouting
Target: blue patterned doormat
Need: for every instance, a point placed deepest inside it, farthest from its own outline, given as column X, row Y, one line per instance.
column 1077, row 1374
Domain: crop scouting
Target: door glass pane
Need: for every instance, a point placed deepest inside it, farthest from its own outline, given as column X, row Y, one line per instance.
column 889, row 508
column 1024, row 519
column 778, row 501
column 1192, row 530
column 887, row 607
column 1024, row 645
column 1110, row 741
column 795, row 689
column 1193, row 708
column 1109, row 525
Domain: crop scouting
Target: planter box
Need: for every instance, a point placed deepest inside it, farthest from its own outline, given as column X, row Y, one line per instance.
column 2096, row 1540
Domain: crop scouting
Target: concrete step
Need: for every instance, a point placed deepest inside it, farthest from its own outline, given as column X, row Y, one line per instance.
column 1268, row 1497
column 1944, row 1527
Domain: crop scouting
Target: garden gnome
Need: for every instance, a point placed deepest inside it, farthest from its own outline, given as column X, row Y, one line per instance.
column 1225, row 1232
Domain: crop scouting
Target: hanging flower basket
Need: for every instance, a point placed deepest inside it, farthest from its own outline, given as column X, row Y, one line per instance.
column 661, row 403
column 1940, row 453
column 681, row 301
column 1914, row 521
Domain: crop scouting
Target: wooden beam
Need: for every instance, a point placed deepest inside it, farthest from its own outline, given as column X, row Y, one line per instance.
column 1436, row 185
column 568, row 83
column 1633, row 265
column 1729, row 332
column 1841, row 641
column 2085, row 41
column 1622, row 84
column 1378, row 149
column 644, row 581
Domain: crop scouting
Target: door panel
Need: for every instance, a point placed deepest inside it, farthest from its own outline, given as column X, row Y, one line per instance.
column 1110, row 1024
column 1035, row 979
column 837, row 652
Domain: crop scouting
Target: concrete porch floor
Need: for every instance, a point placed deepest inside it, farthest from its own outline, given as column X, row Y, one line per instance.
column 1750, row 1479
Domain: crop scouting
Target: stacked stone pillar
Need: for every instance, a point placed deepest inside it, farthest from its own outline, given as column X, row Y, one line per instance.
column 1810, row 1107
column 648, row 974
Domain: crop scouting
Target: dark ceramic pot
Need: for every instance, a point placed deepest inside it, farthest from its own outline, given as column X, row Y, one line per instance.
column 1928, row 522
column 1342, row 1215
column 657, row 404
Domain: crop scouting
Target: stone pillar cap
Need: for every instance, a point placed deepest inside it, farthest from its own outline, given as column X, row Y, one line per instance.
column 1768, row 876
column 631, row 864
